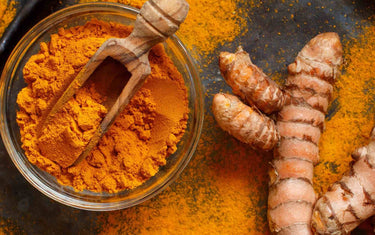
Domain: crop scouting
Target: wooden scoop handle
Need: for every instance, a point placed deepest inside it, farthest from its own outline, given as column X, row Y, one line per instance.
column 156, row 21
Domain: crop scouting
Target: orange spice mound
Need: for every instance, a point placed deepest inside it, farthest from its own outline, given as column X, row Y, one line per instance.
column 139, row 141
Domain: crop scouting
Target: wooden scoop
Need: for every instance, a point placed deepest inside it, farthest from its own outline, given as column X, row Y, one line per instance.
column 157, row 20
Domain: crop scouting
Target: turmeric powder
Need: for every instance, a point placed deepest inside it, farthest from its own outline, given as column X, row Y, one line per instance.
column 7, row 13
column 139, row 141
column 352, row 112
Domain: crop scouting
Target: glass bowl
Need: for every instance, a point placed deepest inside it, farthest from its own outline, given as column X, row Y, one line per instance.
column 12, row 82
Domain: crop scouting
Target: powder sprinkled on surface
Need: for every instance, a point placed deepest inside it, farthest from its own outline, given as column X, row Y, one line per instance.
column 209, row 23
column 223, row 190
column 352, row 112
column 7, row 13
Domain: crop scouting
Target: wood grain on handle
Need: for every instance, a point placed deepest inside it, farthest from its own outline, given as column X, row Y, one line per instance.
column 157, row 20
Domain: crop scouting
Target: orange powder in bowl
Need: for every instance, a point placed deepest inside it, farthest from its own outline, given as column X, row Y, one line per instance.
column 139, row 141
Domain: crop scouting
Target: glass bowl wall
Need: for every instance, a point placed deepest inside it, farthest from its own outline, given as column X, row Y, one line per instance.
column 12, row 82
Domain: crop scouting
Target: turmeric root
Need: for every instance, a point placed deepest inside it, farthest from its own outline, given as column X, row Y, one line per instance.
column 351, row 200
column 244, row 123
column 249, row 82
column 301, row 110
column 300, row 122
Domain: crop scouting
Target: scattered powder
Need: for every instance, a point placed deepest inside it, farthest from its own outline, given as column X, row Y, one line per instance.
column 7, row 13
column 223, row 193
column 7, row 227
column 352, row 112
column 210, row 23
column 224, row 188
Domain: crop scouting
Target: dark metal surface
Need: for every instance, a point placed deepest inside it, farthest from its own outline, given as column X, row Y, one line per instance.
column 29, row 12
column 277, row 31
column 28, row 9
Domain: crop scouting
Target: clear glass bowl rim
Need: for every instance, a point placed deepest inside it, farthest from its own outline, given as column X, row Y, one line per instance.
column 33, row 180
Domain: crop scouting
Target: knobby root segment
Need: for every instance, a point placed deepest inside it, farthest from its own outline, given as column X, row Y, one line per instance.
column 301, row 108
column 300, row 122
column 244, row 123
column 250, row 83
column 351, row 200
